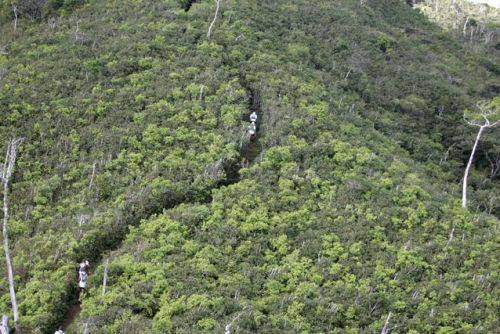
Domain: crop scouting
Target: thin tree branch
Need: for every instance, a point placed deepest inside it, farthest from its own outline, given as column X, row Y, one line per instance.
column 209, row 33
column 450, row 238
column 469, row 164
column 105, row 277
column 486, row 125
column 91, row 183
column 14, row 10
column 5, row 175
column 385, row 329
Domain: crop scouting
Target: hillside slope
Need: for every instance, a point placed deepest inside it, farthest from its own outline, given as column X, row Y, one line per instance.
column 348, row 214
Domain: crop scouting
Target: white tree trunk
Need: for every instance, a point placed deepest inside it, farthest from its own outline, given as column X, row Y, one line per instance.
column 469, row 164
column 105, row 277
column 385, row 330
column 14, row 10
column 8, row 261
column 91, row 183
column 209, row 33
column 4, row 327
column 5, row 174
column 465, row 26
column 86, row 328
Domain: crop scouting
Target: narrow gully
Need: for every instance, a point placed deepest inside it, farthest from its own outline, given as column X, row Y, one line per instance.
column 249, row 151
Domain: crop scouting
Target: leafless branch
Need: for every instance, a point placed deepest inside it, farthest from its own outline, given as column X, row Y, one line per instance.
column 14, row 11
column 209, row 33
column 228, row 328
column 485, row 114
column 385, row 329
column 105, row 277
column 91, row 183
column 450, row 238
column 201, row 92
column 4, row 327
column 5, row 174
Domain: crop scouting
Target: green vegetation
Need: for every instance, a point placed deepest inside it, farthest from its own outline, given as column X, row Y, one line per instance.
column 349, row 212
column 35, row 10
column 471, row 22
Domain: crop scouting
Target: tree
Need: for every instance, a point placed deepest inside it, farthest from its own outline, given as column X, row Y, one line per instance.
column 486, row 117
column 5, row 174
column 31, row 9
column 209, row 33
column 14, row 11
column 385, row 329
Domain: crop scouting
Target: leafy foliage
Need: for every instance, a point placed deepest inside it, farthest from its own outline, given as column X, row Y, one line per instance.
column 477, row 23
column 349, row 212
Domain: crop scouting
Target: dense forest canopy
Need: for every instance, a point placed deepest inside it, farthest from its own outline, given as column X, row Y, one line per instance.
column 343, row 215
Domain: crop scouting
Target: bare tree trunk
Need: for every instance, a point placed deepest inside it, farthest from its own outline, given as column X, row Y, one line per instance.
column 465, row 26
column 8, row 261
column 14, row 10
column 86, row 328
column 5, row 174
column 229, row 326
column 105, row 278
column 385, row 330
column 450, row 238
column 201, row 92
column 469, row 164
column 486, row 111
column 4, row 327
column 91, row 183
column 215, row 18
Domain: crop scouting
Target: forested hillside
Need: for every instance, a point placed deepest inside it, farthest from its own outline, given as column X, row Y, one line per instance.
column 476, row 23
column 342, row 216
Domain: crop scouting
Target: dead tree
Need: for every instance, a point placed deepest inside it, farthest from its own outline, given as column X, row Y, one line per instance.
column 465, row 26
column 14, row 11
column 91, row 183
column 4, row 327
column 5, row 174
column 105, row 277
column 209, row 33
column 229, row 326
column 486, row 113
column 385, row 329
column 201, row 92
